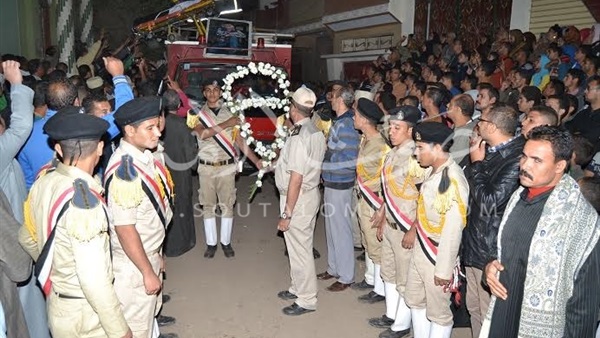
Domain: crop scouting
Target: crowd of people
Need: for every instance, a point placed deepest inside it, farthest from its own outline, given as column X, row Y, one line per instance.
column 448, row 166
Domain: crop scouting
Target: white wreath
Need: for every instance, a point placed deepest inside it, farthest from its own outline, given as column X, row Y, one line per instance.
column 238, row 104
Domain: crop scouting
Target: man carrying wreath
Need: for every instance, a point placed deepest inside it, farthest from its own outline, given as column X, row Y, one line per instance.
column 217, row 162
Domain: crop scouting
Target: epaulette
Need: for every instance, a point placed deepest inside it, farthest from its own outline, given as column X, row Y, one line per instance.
column 86, row 217
column 48, row 168
column 126, row 186
column 296, row 130
column 414, row 169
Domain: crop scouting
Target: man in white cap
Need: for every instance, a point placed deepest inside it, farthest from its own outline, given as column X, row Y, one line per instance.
column 297, row 177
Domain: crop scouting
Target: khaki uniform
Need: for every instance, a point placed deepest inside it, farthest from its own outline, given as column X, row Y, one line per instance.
column 303, row 153
column 400, row 186
column 217, row 178
column 421, row 292
column 138, row 307
column 82, row 300
column 371, row 155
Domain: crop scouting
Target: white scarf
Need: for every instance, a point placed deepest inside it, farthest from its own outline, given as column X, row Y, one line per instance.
column 564, row 237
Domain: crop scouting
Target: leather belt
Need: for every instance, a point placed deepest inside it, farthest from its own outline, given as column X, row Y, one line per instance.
column 216, row 164
column 61, row 295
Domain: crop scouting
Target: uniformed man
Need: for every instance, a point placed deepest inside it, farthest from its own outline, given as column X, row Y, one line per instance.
column 400, row 175
column 372, row 152
column 66, row 232
column 217, row 165
column 297, row 178
column 441, row 217
column 139, row 193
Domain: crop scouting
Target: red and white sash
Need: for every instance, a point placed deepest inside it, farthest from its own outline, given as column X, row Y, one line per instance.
column 149, row 186
column 223, row 142
column 429, row 248
column 372, row 199
column 399, row 217
column 43, row 266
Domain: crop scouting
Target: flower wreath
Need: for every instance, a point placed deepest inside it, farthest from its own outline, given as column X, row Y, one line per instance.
column 238, row 104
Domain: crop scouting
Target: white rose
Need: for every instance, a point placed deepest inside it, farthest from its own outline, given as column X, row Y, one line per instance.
column 259, row 144
column 273, row 76
column 243, row 134
column 260, row 174
column 251, row 64
column 286, row 109
column 278, row 71
column 286, row 93
column 287, row 83
column 254, row 70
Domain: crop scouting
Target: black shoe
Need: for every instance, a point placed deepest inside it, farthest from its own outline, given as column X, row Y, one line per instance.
column 227, row 250
column 165, row 320
column 358, row 248
column 316, row 254
column 361, row 257
column 295, row 310
column 371, row 298
column 363, row 285
column 168, row 335
column 286, row 295
column 394, row 334
column 382, row 322
column 210, row 251
column 165, row 298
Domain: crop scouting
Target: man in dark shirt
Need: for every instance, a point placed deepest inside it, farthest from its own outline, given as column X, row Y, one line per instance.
column 493, row 175
column 587, row 122
column 549, row 238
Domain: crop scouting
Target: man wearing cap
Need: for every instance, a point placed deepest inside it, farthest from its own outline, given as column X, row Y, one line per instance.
column 139, row 194
column 371, row 154
column 400, row 175
column 297, row 177
column 441, row 217
column 66, row 233
column 217, row 165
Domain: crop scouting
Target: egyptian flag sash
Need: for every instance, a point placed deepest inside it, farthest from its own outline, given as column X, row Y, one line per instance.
column 223, row 142
column 372, row 199
column 399, row 217
column 163, row 173
column 429, row 248
column 43, row 265
column 150, row 187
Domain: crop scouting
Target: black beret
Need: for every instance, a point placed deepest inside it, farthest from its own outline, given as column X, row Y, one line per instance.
column 369, row 109
column 432, row 132
column 70, row 125
column 213, row 82
column 410, row 114
column 138, row 110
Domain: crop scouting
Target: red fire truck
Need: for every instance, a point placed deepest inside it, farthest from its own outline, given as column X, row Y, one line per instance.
column 190, row 62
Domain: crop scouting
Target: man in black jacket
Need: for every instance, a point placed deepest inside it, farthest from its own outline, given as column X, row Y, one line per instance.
column 493, row 176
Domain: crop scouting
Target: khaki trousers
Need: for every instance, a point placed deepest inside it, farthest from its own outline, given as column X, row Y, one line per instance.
column 73, row 318
column 356, row 233
column 395, row 260
column 478, row 299
column 217, row 188
column 139, row 308
column 369, row 234
column 299, row 242
column 422, row 293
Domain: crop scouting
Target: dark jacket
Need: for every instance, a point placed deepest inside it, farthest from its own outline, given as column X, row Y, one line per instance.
column 491, row 183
